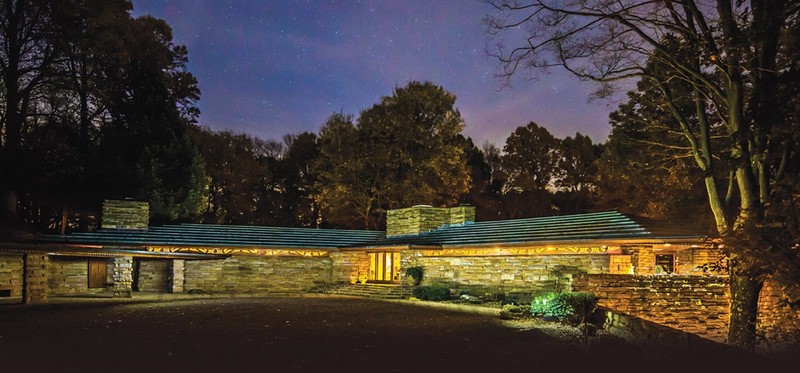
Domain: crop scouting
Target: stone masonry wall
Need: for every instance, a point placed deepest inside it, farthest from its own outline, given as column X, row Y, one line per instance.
column 119, row 214
column 176, row 276
column 68, row 276
column 347, row 266
column 34, row 289
column 11, row 274
column 490, row 274
column 779, row 324
column 122, row 276
column 694, row 304
column 153, row 275
column 245, row 274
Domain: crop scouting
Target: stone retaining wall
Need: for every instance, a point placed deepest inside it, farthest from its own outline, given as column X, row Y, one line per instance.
column 11, row 268
column 694, row 304
column 244, row 274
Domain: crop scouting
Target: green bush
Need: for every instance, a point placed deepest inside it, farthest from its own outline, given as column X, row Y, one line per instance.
column 431, row 292
column 415, row 273
column 571, row 308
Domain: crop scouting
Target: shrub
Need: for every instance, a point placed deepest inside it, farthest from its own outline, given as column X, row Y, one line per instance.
column 512, row 312
column 415, row 273
column 431, row 292
column 571, row 308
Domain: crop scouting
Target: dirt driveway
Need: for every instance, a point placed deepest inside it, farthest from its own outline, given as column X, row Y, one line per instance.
column 310, row 333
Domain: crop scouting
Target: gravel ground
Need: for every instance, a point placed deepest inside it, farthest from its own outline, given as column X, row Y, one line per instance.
column 312, row 333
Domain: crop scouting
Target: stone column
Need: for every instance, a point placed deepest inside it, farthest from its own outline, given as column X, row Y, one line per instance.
column 122, row 275
column 176, row 276
column 34, row 289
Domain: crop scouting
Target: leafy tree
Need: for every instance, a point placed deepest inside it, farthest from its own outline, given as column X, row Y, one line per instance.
column 576, row 165
column 403, row 151
column 732, row 57
column 25, row 58
column 99, row 99
column 530, row 158
column 238, row 176
column 297, row 179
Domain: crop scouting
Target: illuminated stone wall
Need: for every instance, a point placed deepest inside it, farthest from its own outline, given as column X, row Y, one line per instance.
column 69, row 276
column 778, row 323
column 34, row 288
column 153, row 275
column 11, row 275
column 256, row 274
column 694, row 304
column 478, row 274
column 347, row 266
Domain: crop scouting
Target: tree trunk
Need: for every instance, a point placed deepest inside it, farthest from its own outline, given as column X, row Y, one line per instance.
column 745, row 286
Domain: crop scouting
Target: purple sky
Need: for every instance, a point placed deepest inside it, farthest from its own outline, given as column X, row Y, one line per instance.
column 269, row 68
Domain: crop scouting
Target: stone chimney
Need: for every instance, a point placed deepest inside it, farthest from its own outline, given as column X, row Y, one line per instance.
column 423, row 218
column 125, row 214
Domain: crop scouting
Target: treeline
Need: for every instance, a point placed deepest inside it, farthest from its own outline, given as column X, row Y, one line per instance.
column 97, row 104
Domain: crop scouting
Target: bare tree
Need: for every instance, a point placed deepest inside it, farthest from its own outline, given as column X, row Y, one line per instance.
column 728, row 52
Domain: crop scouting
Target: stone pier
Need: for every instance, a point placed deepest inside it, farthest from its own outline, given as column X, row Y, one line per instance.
column 35, row 278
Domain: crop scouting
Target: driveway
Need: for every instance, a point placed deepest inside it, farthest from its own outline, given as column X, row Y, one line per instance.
column 309, row 333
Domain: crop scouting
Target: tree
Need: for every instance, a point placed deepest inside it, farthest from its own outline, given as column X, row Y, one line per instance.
column 25, row 58
column 238, row 177
column 530, row 158
column 731, row 56
column 403, row 151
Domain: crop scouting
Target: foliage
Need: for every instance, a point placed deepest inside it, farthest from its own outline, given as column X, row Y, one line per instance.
column 434, row 293
column 514, row 311
column 726, row 74
column 101, row 100
column 415, row 273
column 573, row 308
column 403, row 151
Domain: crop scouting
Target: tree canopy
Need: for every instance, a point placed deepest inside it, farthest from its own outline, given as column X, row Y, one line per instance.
column 730, row 59
column 403, row 151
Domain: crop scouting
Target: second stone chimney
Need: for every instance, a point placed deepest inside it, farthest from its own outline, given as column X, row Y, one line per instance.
column 423, row 218
column 125, row 214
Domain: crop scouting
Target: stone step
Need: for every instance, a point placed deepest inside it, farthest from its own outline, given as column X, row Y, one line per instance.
column 379, row 291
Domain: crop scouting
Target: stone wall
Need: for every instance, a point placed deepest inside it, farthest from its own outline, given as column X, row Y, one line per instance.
column 694, row 304
column 68, row 275
column 11, row 269
column 490, row 274
column 245, row 274
column 153, row 275
column 118, row 214
column 176, row 275
column 779, row 324
column 348, row 266
column 122, row 276
column 34, row 288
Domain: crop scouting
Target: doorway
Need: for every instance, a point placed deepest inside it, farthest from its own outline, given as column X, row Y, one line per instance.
column 384, row 267
column 98, row 273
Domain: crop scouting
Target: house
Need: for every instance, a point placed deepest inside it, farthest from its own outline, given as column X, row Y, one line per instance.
column 656, row 271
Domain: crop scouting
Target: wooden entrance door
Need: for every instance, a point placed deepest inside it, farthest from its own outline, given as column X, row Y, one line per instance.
column 384, row 267
column 98, row 272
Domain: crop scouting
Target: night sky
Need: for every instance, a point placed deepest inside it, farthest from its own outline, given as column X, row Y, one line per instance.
column 269, row 68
